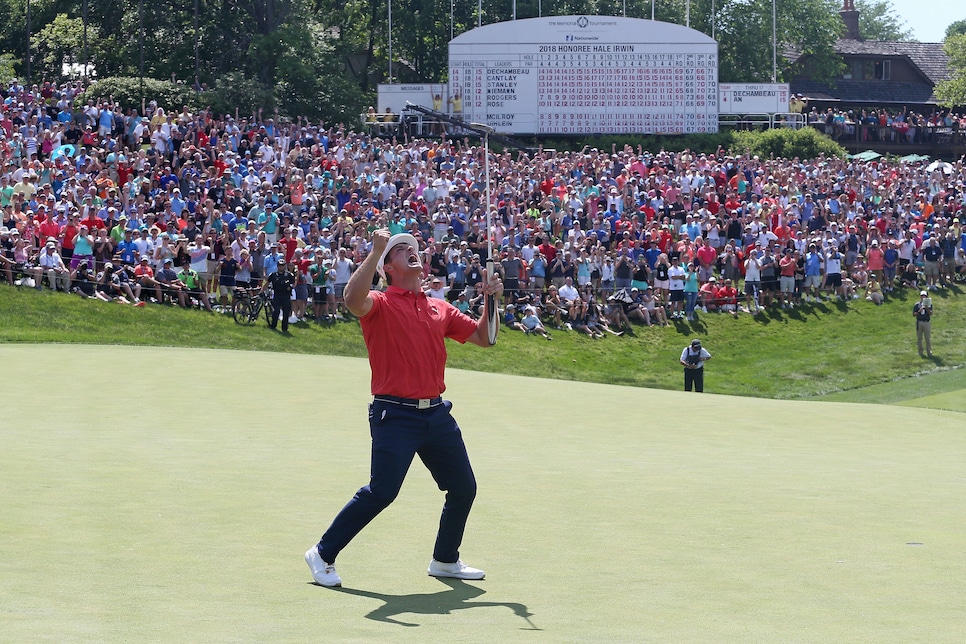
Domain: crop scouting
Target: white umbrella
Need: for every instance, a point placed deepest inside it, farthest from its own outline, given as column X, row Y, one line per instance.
column 946, row 168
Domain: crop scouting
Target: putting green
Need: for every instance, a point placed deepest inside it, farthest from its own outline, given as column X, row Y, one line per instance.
column 158, row 495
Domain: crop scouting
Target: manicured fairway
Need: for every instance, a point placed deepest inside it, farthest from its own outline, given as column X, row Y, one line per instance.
column 952, row 400
column 166, row 495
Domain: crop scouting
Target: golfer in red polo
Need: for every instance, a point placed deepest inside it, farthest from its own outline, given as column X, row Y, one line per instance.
column 404, row 332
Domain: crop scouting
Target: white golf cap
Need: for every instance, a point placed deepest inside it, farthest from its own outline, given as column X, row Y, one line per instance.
column 395, row 240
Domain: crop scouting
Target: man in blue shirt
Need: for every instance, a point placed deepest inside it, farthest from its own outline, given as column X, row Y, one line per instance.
column 270, row 265
column 813, row 272
column 126, row 250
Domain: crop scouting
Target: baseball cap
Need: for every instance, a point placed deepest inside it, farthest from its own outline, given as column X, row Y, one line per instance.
column 923, row 293
column 695, row 344
column 395, row 240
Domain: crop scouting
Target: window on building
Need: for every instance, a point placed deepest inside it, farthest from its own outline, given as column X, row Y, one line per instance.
column 872, row 70
column 883, row 69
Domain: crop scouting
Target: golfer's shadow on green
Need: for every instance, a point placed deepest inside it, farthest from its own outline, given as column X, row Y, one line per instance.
column 442, row 603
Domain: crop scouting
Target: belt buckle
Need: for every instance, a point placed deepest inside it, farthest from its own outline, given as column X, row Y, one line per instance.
column 423, row 403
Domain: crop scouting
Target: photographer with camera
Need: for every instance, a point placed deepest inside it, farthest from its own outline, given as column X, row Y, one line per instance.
column 693, row 358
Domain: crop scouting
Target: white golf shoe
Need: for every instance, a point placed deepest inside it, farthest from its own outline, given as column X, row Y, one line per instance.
column 456, row 570
column 323, row 573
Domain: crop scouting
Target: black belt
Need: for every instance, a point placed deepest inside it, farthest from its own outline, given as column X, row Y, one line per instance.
column 416, row 403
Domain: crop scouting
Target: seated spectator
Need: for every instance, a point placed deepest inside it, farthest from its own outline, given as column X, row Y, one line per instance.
column 873, row 291
column 51, row 265
column 531, row 323
column 144, row 276
column 81, row 281
column 728, row 298
column 554, row 306
column 615, row 315
column 708, row 295
column 171, row 286
column 193, row 286
column 654, row 308
column 510, row 318
column 108, row 287
column 462, row 304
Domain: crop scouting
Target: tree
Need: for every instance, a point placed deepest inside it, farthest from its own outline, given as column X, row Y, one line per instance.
column 878, row 21
column 744, row 33
column 60, row 41
column 958, row 27
column 952, row 92
column 7, row 65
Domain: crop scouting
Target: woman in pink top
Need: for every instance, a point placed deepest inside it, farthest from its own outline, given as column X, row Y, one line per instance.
column 876, row 260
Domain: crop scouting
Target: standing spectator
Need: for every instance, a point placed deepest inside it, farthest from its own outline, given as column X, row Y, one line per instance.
column 693, row 358
column 343, row 271
column 787, row 266
column 932, row 256
column 833, row 271
column 752, row 279
column 281, row 282
column 923, row 314
column 512, row 270
column 676, row 278
column 691, row 289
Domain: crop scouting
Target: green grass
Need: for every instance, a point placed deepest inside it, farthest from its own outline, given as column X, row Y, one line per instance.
column 828, row 349
column 167, row 495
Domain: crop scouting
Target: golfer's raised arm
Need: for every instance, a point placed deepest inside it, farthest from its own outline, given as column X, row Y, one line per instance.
column 356, row 293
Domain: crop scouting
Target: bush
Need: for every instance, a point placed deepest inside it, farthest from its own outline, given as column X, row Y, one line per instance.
column 806, row 143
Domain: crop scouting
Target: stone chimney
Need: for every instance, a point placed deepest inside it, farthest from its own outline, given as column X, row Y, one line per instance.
column 850, row 16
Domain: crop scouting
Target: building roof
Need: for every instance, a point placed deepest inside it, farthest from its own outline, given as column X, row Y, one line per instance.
column 866, row 91
column 929, row 57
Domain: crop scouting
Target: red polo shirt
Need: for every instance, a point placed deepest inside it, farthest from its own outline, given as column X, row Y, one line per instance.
column 404, row 333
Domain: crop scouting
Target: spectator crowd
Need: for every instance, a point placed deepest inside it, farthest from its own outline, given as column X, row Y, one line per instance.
column 890, row 126
column 169, row 205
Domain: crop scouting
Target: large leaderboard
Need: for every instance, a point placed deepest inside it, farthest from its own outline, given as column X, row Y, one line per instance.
column 585, row 74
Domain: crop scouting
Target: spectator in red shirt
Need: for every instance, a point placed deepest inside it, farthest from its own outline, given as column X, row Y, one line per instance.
column 707, row 256
column 49, row 228
column 289, row 243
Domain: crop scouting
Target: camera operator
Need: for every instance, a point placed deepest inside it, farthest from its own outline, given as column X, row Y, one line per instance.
column 693, row 358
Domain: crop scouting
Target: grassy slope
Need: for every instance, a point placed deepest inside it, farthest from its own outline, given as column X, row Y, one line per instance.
column 817, row 350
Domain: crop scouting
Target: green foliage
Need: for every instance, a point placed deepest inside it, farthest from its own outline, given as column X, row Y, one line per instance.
column 744, row 32
column 7, row 68
column 878, row 21
column 806, row 143
column 235, row 91
column 127, row 91
column 952, row 92
column 311, row 82
column 702, row 143
column 59, row 42
column 956, row 28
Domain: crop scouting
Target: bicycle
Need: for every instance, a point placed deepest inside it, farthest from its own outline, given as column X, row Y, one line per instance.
column 246, row 307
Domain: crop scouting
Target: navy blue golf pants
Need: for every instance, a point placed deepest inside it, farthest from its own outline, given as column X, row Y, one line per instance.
column 398, row 434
